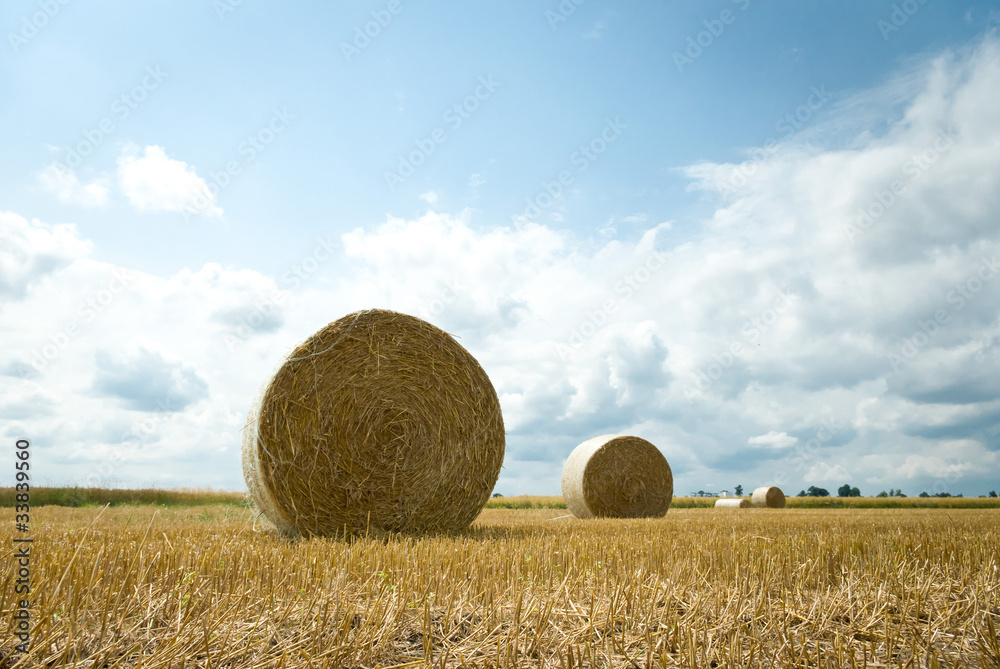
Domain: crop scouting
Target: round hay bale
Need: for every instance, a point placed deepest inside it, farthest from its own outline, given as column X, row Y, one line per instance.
column 617, row 476
column 769, row 497
column 379, row 421
column 732, row 503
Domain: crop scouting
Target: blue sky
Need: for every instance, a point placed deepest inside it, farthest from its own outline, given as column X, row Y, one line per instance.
column 236, row 169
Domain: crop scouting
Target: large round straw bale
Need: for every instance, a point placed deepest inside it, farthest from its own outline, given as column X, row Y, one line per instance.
column 732, row 503
column 769, row 497
column 379, row 421
column 617, row 476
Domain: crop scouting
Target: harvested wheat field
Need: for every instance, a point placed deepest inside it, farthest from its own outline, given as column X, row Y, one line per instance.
column 201, row 587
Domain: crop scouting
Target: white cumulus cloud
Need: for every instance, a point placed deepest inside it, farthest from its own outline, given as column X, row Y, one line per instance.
column 64, row 183
column 773, row 440
column 822, row 472
column 31, row 251
column 152, row 181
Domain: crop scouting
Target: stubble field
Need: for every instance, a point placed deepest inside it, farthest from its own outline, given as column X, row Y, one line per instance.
column 210, row 587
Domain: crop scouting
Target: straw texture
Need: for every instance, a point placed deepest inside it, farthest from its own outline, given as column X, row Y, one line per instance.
column 379, row 422
column 769, row 497
column 732, row 503
column 617, row 476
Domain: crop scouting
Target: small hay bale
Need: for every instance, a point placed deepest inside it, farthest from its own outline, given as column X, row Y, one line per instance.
column 732, row 503
column 617, row 476
column 378, row 422
column 769, row 497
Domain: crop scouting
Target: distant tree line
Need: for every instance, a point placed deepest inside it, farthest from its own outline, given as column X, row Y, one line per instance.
column 843, row 491
column 847, row 490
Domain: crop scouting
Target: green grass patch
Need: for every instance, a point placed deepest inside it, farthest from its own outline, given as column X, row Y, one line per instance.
column 96, row 497
column 526, row 502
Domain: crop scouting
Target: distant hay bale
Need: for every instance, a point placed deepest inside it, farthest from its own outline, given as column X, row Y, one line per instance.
column 379, row 421
column 617, row 476
column 732, row 503
column 769, row 497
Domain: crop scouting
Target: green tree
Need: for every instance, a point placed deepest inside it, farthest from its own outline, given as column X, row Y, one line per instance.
column 844, row 490
column 882, row 494
column 855, row 492
column 924, row 494
column 738, row 491
column 813, row 491
column 993, row 493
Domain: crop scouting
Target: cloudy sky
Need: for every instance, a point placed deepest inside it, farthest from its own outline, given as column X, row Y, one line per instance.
column 763, row 236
